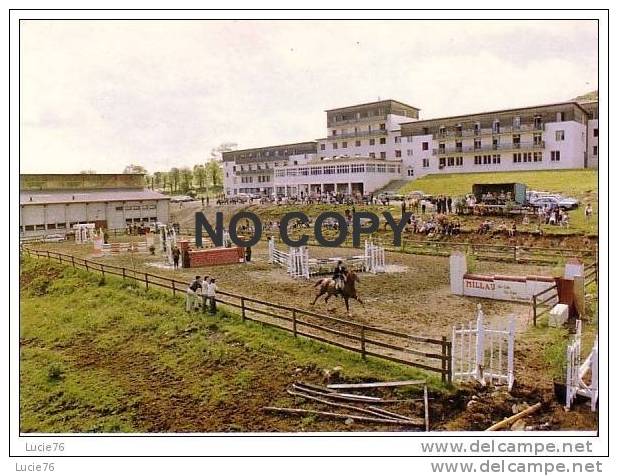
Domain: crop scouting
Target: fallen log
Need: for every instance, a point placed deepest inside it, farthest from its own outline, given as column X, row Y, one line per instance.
column 315, row 387
column 355, row 398
column 376, row 384
column 512, row 419
column 342, row 416
column 334, row 404
column 390, row 414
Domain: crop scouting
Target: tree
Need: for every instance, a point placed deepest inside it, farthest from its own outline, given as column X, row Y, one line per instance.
column 214, row 174
column 174, row 177
column 134, row 169
column 216, row 153
column 186, row 179
column 88, row 172
column 157, row 179
column 199, row 175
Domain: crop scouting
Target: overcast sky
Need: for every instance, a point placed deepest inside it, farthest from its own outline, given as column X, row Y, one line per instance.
column 100, row 95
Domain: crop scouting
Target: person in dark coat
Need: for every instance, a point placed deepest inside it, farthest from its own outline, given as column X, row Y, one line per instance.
column 248, row 254
column 449, row 204
column 339, row 275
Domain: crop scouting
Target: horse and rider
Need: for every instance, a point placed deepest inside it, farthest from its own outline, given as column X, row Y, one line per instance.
column 341, row 284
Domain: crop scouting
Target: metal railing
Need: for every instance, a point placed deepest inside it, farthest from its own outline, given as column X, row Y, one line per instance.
column 367, row 340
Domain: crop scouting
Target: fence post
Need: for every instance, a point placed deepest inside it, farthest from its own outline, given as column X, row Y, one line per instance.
column 124, row 273
column 444, row 362
column 242, row 308
column 86, row 263
column 173, row 287
column 449, row 355
column 294, row 322
column 363, row 342
column 102, row 270
column 73, row 261
column 146, row 279
column 48, row 257
column 534, row 309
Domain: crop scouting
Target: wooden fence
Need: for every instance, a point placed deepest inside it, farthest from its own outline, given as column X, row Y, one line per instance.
column 430, row 354
column 543, row 301
column 499, row 252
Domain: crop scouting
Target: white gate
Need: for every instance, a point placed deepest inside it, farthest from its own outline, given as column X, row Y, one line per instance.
column 374, row 258
column 576, row 370
column 484, row 354
column 298, row 262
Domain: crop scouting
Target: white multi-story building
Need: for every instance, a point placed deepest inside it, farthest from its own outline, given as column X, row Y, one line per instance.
column 369, row 145
column 553, row 136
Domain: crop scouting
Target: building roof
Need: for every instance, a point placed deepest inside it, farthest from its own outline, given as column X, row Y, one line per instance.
column 384, row 101
column 232, row 154
column 88, row 196
column 501, row 111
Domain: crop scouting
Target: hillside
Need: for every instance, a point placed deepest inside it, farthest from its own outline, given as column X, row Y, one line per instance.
column 591, row 96
column 103, row 355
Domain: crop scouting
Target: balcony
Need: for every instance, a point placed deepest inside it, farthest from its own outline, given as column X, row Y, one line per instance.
column 470, row 149
column 359, row 134
column 381, row 117
column 539, row 127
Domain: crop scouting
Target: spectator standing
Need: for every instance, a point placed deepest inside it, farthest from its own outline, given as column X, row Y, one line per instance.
column 248, row 254
column 211, row 293
column 449, row 204
column 205, row 284
column 192, row 291
column 588, row 212
column 175, row 256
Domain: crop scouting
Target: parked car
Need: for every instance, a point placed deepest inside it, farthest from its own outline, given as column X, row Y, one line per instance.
column 181, row 198
column 53, row 238
column 566, row 203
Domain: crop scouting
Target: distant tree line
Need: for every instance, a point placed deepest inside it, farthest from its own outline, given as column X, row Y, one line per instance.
column 205, row 178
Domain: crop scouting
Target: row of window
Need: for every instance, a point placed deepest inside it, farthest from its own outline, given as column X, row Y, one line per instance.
column 527, row 157
column 260, row 179
column 382, row 127
column 136, row 207
column 338, row 169
column 487, row 159
column 450, row 162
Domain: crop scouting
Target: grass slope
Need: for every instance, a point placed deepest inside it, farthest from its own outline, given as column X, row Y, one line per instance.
column 103, row 355
column 580, row 183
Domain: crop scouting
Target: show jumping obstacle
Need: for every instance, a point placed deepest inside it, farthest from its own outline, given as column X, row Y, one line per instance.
column 85, row 233
column 576, row 370
column 299, row 265
column 482, row 353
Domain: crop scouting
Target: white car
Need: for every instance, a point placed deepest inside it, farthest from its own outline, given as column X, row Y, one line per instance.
column 54, row 238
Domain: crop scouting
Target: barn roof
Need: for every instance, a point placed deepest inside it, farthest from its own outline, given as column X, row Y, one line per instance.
column 88, row 196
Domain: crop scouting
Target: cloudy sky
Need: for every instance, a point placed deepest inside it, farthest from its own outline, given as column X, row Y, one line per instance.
column 101, row 94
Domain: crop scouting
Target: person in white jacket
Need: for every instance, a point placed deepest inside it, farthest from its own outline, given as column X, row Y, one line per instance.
column 211, row 294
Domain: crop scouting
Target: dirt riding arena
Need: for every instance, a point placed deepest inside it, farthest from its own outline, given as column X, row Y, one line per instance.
column 413, row 297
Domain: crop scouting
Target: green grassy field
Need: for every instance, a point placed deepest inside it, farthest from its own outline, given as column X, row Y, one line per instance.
column 581, row 184
column 106, row 355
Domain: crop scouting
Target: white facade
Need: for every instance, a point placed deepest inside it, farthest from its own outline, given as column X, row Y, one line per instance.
column 353, row 176
column 548, row 137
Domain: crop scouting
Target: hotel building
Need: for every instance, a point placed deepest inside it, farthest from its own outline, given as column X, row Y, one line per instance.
column 368, row 146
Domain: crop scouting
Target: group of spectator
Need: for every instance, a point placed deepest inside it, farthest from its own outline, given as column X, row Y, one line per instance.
column 202, row 293
column 435, row 225
column 553, row 215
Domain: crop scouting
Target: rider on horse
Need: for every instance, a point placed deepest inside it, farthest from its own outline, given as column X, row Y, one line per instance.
column 339, row 275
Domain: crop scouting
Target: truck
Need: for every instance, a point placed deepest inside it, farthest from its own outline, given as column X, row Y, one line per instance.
column 516, row 191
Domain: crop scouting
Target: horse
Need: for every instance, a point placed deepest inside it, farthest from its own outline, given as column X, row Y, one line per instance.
column 328, row 287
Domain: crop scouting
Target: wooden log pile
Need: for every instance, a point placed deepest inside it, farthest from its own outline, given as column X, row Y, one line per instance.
column 351, row 407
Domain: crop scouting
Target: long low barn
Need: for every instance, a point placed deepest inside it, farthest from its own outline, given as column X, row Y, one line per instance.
column 54, row 211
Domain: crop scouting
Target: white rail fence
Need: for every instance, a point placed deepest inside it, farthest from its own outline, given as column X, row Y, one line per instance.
column 482, row 353
column 299, row 265
column 577, row 370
